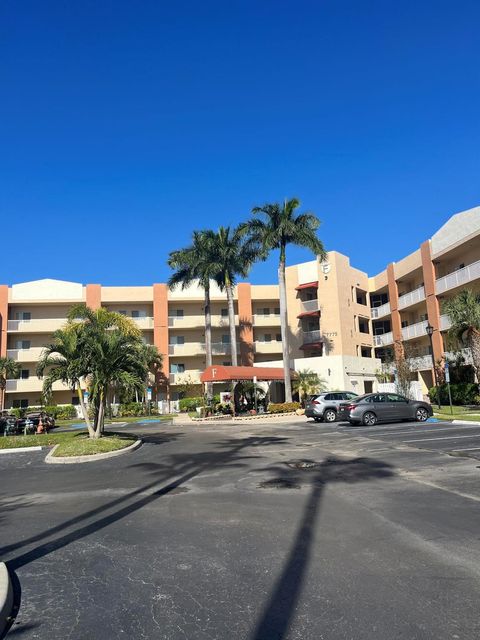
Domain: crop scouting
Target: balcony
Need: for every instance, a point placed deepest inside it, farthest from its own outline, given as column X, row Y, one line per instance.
column 445, row 322
column 191, row 376
column 144, row 323
column 416, row 330
column 421, row 363
column 25, row 355
column 275, row 346
column 266, row 321
column 458, row 278
column 380, row 312
column 193, row 322
column 310, row 337
column 186, row 349
column 36, row 325
column 32, row 384
column 383, row 339
column 417, row 295
column 309, row 306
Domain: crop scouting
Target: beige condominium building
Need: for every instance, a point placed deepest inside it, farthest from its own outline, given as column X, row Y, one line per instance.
column 342, row 323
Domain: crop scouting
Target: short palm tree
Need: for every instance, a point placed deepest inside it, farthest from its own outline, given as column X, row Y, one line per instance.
column 8, row 369
column 193, row 264
column 308, row 382
column 464, row 313
column 274, row 226
column 231, row 257
column 62, row 360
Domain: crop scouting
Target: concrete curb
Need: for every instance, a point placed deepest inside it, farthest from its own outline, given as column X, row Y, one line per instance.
column 466, row 422
column 6, row 597
column 50, row 459
column 20, row 449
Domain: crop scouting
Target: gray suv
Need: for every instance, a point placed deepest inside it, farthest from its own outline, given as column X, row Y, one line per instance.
column 325, row 406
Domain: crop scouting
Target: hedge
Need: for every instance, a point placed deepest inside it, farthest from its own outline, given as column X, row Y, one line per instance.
column 462, row 393
column 283, row 407
column 190, row 404
column 59, row 412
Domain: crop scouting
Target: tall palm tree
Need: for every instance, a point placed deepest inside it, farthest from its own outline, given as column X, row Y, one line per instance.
column 62, row 358
column 464, row 313
column 231, row 256
column 274, row 226
column 8, row 369
column 193, row 264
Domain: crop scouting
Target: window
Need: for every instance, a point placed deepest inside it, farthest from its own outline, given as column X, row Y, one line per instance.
column 350, row 396
column 267, row 337
column 226, row 364
column 75, row 401
column 123, row 312
column 24, row 374
column 366, row 352
column 266, row 311
column 225, row 339
column 22, row 344
column 177, row 339
column 393, row 397
column 177, row 367
column 20, row 404
column 328, row 396
column 23, row 315
column 378, row 398
column 276, row 311
column 224, row 313
column 178, row 313
column 139, row 313
column 363, row 325
column 361, row 297
column 278, row 337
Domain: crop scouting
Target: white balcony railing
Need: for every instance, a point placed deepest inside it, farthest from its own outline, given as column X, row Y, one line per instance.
column 383, row 340
column 191, row 376
column 309, row 305
column 445, row 322
column 412, row 297
column 380, row 312
column 146, row 322
column 458, row 278
column 312, row 336
column 186, row 349
column 274, row 346
column 25, row 355
column 36, row 325
column 33, row 384
column 416, row 330
column 272, row 320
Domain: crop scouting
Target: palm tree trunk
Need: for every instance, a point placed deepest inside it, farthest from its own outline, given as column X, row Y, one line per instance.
column 100, row 418
column 284, row 326
column 208, row 337
column 474, row 344
column 2, row 395
column 91, row 432
column 231, row 321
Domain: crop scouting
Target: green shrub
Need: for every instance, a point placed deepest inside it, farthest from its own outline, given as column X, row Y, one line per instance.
column 283, row 407
column 130, row 409
column 65, row 412
column 190, row 404
column 462, row 393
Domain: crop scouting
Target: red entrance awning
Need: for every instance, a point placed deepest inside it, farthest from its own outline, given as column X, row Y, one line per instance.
column 307, row 285
column 219, row 373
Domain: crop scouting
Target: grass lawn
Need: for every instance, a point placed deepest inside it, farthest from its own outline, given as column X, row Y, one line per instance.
column 74, row 443
column 69, row 423
column 459, row 413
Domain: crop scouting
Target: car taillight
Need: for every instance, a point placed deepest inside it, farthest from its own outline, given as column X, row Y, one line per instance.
column 316, row 402
column 350, row 407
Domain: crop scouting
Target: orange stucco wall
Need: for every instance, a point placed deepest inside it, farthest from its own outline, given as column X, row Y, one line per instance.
column 393, row 295
column 160, row 323
column 433, row 309
column 94, row 296
column 3, row 319
column 244, row 292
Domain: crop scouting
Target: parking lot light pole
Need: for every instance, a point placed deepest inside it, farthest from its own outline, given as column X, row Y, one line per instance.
column 429, row 329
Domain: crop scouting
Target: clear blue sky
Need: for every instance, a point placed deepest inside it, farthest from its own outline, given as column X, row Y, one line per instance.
column 125, row 125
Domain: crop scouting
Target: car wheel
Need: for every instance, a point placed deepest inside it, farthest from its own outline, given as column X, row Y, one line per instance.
column 421, row 415
column 330, row 415
column 369, row 419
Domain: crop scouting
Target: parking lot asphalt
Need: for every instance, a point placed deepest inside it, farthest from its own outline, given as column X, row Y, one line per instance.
column 258, row 532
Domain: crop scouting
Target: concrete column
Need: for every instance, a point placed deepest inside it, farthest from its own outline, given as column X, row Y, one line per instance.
column 3, row 319
column 244, row 293
column 160, row 329
column 93, row 297
column 396, row 320
column 433, row 308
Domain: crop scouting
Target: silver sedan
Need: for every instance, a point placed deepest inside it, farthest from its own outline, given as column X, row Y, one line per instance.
column 384, row 407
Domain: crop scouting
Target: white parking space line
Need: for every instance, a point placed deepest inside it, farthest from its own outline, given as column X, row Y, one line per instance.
column 420, row 430
column 442, row 438
column 470, row 449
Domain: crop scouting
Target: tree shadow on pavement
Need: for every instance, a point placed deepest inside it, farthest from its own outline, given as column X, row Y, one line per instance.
column 279, row 612
column 182, row 466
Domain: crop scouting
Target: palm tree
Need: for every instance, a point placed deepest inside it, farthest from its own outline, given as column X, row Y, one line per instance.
column 193, row 264
column 63, row 359
column 464, row 313
column 231, row 256
column 278, row 225
column 8, row 369
column 308, row 382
